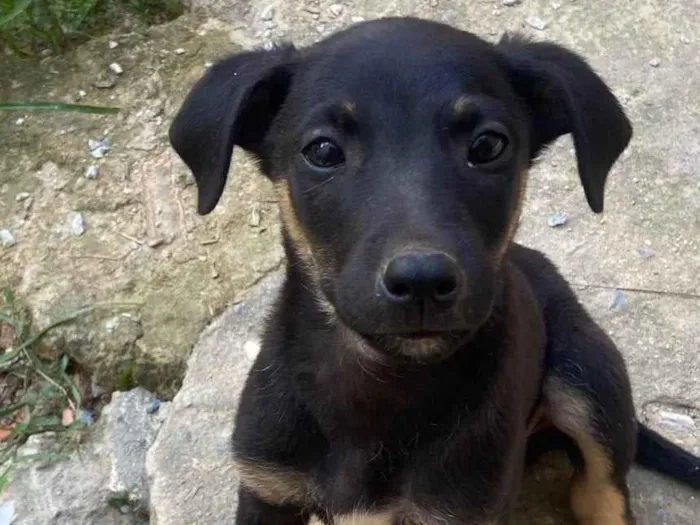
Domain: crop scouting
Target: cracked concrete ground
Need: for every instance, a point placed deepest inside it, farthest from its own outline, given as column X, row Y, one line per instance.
column 635, row 267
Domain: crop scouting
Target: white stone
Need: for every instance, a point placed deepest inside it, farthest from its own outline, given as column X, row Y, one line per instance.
column 116, row 68
column 536, row 22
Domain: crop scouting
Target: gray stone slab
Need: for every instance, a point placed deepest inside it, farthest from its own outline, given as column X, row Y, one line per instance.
column 192, row 478
column 104, row 482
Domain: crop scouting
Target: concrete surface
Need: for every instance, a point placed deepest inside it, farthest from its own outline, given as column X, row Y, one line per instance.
column 103, row 482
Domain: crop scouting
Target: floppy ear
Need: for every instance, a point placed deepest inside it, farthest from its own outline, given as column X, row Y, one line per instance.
column 566, row 96
column 233, row 104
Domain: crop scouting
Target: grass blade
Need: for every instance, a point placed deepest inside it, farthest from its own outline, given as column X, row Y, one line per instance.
column 40, row 457
column 70, row 318
column 9, row 356
column 4, row 478
column 57, row 106
column 17, row 10
column 9, row 410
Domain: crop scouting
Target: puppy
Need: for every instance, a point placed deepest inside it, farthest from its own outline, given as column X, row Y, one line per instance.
column 415, row 350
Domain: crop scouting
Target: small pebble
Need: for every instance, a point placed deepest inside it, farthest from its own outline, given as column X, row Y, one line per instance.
column 311, row 9
column 268, row 13
column 184, row 178
column 433, row 3
column 99, row 148
column 536, row 22
column 153, row 406
column 113, row 44
column 681, row 422
column 336, row 10
column 254, row 219
column 180, row 51
column 655, row 62
column 557, row 219
column 645, row 253
column 22, row 196
column 116, row 68
column 91, row 172
column 510, row 2
column 6, row 238
column 20, row 121
column 154, row 243
column 76, row 223
column 104, row 83
column 82, row 94
column 618, row 302
column 86, row 417
column 208, row 64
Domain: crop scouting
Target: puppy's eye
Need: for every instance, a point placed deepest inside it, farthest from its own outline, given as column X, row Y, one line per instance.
column 323, row 153
column 486, row 148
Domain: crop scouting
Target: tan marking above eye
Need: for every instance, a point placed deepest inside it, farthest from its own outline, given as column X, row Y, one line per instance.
column 463, row 106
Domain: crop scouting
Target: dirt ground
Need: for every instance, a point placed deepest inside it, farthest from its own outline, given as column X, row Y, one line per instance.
column 143, row 243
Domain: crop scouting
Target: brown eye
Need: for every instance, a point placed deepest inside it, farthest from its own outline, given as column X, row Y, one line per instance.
column 486, row 148
column 323, row 153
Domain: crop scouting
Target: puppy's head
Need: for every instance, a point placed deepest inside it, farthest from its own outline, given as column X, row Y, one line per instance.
column 400, row 149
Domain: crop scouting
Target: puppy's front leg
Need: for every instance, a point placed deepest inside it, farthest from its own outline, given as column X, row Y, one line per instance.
column 254, row 511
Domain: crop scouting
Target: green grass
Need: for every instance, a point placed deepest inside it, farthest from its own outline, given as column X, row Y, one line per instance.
column 57, row 106
column 28, row 27
column 38, row 384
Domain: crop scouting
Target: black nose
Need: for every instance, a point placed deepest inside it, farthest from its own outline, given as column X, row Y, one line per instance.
column 421, row 276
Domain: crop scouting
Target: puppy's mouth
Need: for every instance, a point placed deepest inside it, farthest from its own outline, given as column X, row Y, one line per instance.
column 424, row 346
column 420, row 335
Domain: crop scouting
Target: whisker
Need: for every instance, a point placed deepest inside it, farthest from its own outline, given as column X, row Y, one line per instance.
column 319, row 185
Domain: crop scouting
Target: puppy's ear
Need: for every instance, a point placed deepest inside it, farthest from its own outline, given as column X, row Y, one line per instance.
column 233, row 104
column 566, row 96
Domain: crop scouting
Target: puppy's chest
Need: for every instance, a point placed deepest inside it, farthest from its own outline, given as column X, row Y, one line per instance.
column 372, row 473
column 356, row 485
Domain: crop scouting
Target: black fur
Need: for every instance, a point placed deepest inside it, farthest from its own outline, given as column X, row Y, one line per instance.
column 416, row 398
column 656, row 453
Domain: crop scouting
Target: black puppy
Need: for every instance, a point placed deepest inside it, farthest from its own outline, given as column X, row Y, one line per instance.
column 415, row 350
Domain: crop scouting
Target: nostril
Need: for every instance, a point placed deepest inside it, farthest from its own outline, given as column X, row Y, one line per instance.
column 445, row 287
column 398, row 289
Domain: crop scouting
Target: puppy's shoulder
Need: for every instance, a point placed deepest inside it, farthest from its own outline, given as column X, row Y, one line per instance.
column 544, row 277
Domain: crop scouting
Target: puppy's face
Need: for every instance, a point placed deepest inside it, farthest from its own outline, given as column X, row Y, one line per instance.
column 400, row 150
column 403, row 159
